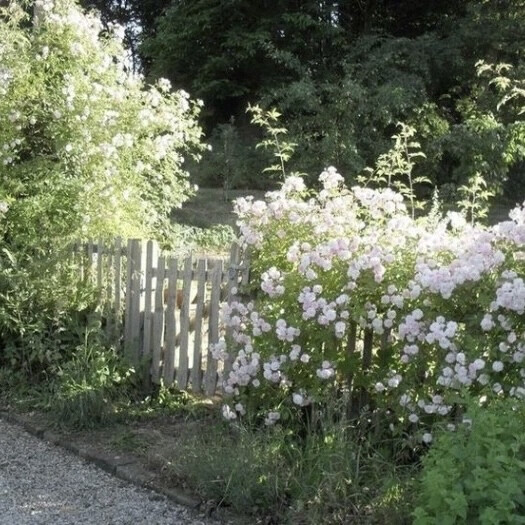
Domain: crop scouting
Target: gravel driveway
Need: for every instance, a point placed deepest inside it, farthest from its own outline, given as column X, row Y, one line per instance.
column 44, row 484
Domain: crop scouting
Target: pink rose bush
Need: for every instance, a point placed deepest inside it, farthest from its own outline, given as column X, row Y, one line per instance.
column 448, row 298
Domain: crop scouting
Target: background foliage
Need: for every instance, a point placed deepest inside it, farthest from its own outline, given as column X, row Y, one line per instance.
column 344, row 74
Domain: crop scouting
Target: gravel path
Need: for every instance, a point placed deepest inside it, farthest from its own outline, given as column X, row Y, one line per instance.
column 44, row 484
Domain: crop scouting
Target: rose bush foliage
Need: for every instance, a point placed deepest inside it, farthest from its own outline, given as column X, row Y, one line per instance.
column 448, row 296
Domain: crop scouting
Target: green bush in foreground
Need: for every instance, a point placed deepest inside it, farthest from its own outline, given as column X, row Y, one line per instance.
column 476, row 473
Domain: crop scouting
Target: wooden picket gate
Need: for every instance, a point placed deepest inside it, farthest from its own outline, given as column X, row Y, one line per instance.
column 163, row 311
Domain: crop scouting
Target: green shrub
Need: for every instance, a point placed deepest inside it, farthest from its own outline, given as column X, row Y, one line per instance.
column 476, row 474
column 88, row 149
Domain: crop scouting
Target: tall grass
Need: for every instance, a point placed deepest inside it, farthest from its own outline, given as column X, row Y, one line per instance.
column 330, row 475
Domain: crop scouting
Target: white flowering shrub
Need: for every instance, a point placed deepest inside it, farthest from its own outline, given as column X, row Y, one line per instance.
column 86, row 148
column 448, row 296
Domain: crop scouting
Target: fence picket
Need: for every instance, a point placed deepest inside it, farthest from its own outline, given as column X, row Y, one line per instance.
column 245, row 267
column 108, row 297
column 89, row 265
column 149, row 284
column 118, row 288
column 231, row 293
column 171, row 324
column 127, row 296
column 158, row 322
column 134, row 343
column 182, row 367
column 211, row 363
column 196, row 370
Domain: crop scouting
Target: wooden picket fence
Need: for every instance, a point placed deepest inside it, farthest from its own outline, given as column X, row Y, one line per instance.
column 162, row 310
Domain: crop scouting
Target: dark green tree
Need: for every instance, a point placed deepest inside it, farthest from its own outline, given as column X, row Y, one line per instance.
column 230, row 51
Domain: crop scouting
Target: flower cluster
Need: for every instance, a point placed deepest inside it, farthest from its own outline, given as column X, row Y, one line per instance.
column 441, row 301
